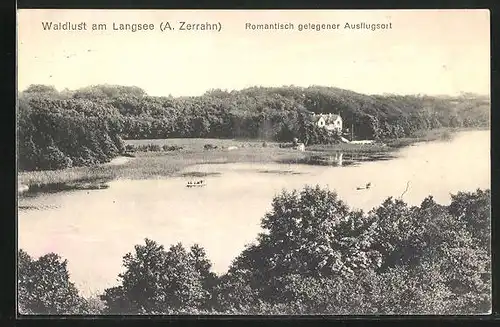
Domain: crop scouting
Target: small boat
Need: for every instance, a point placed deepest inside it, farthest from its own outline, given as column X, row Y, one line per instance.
column 367, row 186
column 196, row 184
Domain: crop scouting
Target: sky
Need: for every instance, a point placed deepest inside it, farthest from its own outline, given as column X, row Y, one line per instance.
column 425, row 52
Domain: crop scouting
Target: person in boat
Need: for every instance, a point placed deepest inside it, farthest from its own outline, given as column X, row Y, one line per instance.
column 368, row 185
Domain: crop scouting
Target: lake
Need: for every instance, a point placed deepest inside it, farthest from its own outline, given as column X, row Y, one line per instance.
column 95, row 229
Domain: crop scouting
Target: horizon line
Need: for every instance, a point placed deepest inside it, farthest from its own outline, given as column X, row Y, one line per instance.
column 460, row 93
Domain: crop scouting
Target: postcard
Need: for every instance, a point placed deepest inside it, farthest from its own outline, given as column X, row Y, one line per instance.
column 253, row 162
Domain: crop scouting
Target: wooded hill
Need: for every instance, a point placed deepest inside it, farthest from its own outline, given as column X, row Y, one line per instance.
column 85, row 126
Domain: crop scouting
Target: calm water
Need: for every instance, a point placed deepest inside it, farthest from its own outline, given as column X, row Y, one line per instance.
column 94, row 229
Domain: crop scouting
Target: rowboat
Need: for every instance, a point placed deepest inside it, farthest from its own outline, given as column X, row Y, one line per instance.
column 196, row 184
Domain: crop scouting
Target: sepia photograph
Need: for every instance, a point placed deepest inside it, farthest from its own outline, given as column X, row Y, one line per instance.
column 253, row 162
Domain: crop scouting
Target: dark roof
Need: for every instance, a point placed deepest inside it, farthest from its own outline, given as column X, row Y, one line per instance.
column 315, row 118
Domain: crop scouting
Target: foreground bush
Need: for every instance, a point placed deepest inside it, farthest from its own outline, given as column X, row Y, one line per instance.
column 318, row 256
column 44, row 286
column 162, row 282
column 315, row 256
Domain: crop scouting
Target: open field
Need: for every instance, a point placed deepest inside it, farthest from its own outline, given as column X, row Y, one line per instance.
column 170, row 163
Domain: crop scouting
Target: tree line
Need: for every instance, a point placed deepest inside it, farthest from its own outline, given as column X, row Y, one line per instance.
column 48, row 118
column 57, row 132
column 315, row 255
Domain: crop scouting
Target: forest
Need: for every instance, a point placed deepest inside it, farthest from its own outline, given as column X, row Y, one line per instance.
column 87, row 126
column 315, row 255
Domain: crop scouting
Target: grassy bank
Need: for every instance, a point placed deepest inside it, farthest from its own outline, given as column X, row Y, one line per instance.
column 67, row 179
column 193, row 152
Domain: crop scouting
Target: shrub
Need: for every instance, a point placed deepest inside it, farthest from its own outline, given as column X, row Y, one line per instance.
column 167, row 147
column 209, row 146
column 44, row 286
column 315, row 256
column 154, row 147
column 158, row 281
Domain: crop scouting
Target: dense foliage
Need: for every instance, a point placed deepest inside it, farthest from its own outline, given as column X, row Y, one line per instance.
column 59, row 129
column 56, row 133
column 315, row 255
column 162, row 282
column 318, row 256
column 44, row 287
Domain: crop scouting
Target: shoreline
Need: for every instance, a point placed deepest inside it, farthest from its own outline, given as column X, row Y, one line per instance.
column 170, row 163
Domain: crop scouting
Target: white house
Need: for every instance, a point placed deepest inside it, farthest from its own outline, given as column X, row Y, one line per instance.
column 330, row 122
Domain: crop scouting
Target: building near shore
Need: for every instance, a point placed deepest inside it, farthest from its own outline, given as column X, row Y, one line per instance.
column 330, row 122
